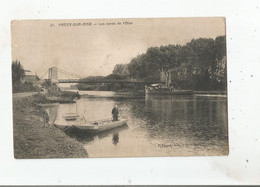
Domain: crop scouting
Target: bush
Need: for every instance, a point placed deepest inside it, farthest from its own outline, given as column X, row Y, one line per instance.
column 40, row 99
column 116, row 86
column 24, row 87
column 68, row 94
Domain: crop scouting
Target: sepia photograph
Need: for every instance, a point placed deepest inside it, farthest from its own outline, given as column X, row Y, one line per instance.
column 102, row 88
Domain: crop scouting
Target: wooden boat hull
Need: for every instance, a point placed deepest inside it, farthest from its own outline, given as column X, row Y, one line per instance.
column 68, row 120
column 96, row 128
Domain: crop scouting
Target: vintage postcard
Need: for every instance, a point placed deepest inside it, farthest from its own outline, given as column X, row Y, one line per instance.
column 119, row 87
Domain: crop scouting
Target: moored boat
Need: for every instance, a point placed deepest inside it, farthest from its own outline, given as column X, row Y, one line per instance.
column 68, row 120
column 158, row 89
column 74, row 121
column 100, row 126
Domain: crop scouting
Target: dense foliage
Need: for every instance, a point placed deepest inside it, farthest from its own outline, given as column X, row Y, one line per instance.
column 198, row 65
column 17, row 71
column 18, row 74
column 23, row 87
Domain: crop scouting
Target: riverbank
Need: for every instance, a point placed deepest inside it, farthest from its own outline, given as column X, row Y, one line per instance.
column 222, row 92
column 35, row 138
column 211, row 92
column 63, row 97
column 141, row 94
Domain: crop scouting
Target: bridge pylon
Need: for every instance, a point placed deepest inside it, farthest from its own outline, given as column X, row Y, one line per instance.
column 53, row 74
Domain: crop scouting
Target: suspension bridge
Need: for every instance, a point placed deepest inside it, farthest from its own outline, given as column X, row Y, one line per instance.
column 54, row 73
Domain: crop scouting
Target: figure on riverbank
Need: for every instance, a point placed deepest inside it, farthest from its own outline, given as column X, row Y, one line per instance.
column 115, row 113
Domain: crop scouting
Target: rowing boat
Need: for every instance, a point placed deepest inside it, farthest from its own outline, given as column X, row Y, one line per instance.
column 74, row 121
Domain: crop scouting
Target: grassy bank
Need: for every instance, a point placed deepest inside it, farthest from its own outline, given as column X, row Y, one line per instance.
column 24, row 87
column 112, row 87
column 34, row 138
column 63, row 97
column 223, row 92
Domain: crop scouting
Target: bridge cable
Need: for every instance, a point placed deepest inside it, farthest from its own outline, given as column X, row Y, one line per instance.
column 44, row 74
column 68, row 73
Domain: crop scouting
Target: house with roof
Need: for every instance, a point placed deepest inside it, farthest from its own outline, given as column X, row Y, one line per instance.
column 29, row 77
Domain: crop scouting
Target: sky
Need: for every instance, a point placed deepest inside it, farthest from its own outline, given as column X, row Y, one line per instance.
column 91, row 50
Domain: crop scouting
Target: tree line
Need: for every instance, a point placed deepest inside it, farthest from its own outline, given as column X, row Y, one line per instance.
column 17, row 71
column 198, row 65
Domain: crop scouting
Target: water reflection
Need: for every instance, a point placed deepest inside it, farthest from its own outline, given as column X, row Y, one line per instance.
column 194, row 122
column 157, row 125
column 115, row 139
column 85, row 138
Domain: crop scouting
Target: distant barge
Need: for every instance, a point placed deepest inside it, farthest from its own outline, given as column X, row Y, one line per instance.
column 157, row 89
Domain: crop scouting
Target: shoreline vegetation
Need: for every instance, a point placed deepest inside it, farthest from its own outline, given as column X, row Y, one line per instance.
column 199, row 65
column 35, row 138
column 62, row 97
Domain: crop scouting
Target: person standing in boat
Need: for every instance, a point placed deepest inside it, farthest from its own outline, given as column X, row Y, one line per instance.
column 115, row 113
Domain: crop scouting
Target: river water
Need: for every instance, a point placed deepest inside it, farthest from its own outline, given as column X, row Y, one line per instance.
column 157, row 125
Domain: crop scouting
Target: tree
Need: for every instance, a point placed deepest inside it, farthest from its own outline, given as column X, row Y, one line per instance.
column 17, row 71
column 46, row 84
column 220, row 46
column 136, row 67
column 200, row 64
column 121, row 70
column 221, row 62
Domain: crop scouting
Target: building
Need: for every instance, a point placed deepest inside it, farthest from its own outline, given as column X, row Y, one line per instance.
column 29, row 77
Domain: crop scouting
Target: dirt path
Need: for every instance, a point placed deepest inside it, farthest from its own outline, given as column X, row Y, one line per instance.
column 25, row 94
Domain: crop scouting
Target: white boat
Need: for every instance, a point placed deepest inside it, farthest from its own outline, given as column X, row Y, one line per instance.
column 157, row 89
column 77, row 122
